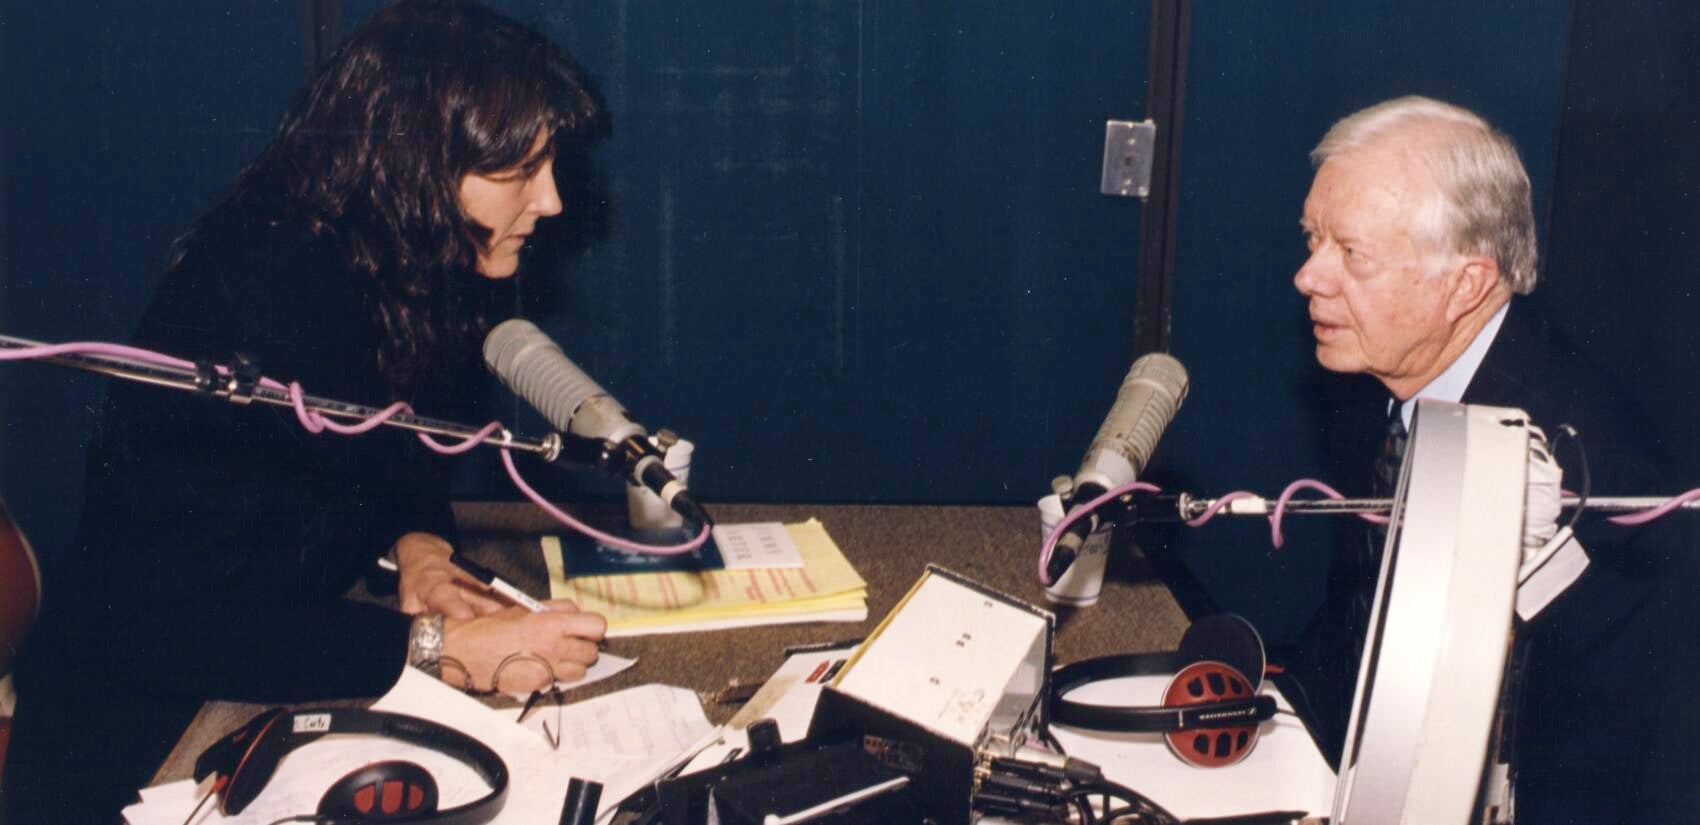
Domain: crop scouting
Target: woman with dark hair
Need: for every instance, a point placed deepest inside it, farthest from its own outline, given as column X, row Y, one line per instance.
column 359, row 254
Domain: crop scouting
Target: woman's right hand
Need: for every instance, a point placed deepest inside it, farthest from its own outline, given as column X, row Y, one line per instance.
column 564, row 636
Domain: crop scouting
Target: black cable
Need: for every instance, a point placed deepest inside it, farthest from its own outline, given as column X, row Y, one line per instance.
column 1144, row 810
column 1083, row 808
column 1052, row 741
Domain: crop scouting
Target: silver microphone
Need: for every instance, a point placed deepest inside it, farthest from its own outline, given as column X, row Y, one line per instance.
column 1149, row 396
column 533, row 366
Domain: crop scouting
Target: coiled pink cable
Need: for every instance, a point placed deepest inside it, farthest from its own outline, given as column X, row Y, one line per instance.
column 1308, row 484
column 605, row 538
column 1644, row 516
column 315, row 423
column 1079, row 512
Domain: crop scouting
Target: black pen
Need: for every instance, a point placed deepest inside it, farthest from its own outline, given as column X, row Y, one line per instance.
column 488, row 578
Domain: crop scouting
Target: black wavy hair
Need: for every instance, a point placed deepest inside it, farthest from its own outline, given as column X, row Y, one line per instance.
column 371, row 154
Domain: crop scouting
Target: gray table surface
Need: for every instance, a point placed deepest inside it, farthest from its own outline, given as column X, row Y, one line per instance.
column 889, row 545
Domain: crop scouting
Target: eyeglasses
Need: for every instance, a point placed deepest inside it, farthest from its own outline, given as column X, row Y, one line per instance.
column 514, row 665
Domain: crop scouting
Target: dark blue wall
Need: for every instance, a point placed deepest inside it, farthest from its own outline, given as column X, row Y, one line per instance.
column 855, row 250
column 856, row 247
column 1622, row 272
column 122, row 120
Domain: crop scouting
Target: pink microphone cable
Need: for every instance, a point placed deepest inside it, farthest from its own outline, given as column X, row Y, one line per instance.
column 1080, row 511
column 315, row 423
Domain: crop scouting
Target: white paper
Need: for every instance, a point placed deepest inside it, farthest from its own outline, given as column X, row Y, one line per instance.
column 606, row 665
column 759, row 544
column 645, row 721
column 538, row 774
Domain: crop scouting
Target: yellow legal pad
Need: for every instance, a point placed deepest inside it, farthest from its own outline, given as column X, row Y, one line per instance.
column 825, row 588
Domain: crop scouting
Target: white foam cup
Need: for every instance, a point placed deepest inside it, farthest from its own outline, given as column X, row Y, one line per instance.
column 1081, row 583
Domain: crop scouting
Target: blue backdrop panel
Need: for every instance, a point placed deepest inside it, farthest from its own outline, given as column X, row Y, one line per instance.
column 856, row 249
column 122, row 122
column 1621, row 257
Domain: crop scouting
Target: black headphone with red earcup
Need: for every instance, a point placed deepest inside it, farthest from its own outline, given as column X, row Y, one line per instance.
column 1211, row 708
column 245, row 759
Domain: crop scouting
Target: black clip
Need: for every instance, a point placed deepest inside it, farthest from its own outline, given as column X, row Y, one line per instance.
column 206, row 377
column 244, row 377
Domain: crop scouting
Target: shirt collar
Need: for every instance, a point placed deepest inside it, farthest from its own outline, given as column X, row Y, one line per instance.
column 1450, row 384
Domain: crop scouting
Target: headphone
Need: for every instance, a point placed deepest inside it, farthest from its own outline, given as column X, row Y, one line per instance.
column 245, row 759
column 1210, row 711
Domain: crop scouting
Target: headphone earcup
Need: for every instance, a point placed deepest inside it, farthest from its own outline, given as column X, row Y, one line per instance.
column 392, row 791
column 1228, row 639
column 253, row 751
column 1202, row 683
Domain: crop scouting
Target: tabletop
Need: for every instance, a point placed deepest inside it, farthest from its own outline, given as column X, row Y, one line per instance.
column 889, row 545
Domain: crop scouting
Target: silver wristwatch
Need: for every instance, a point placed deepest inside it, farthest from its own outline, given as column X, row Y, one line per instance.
column 425, row 643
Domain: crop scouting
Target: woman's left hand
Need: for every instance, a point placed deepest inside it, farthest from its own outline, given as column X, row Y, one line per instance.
column 432, row 583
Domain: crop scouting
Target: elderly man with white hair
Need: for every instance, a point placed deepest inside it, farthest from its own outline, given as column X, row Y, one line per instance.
column 1422, row 242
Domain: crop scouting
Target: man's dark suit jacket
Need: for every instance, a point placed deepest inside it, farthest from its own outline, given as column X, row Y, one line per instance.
column 1606, row 731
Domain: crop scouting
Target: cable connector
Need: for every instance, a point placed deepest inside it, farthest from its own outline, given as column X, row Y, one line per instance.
column 1036, row 762
column 992, row 802
column 1002, row 782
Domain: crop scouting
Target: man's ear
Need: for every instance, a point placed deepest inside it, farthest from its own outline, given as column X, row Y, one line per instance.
column 1472, row 281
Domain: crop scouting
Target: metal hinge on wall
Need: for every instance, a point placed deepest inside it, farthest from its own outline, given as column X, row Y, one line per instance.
column 1128, row 150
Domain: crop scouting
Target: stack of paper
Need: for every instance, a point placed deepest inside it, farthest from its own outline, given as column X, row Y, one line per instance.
column 622, row 740
column 824, row 589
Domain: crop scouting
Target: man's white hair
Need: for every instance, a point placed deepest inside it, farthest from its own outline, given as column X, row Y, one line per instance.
column 1482, row 204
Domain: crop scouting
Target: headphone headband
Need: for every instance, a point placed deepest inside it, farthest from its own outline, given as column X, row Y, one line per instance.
column 1150, row 718
column 249, row 755
column 1218, row 670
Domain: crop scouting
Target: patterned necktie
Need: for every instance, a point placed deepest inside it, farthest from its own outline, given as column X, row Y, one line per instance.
column 1392, row 455
column 1386, row 480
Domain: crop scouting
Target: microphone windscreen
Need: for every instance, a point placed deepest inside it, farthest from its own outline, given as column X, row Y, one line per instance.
column 531, row 365
column 1153, row 390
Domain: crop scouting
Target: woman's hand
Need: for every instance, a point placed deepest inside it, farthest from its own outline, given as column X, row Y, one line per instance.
column 432, row 583
column 563, row 636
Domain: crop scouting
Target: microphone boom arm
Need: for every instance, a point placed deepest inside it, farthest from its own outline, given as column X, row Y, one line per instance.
column 1188, row 507
column 232, row 385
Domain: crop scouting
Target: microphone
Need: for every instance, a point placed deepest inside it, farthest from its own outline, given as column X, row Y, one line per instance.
column 532, row 366
column 1149, row 396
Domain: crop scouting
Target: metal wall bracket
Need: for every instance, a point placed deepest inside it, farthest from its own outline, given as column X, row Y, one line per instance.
column 1128, row 150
